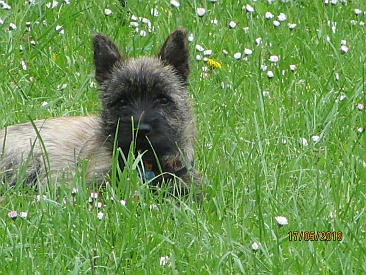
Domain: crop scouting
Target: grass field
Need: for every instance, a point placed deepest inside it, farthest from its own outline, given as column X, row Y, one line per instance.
column 292, row 145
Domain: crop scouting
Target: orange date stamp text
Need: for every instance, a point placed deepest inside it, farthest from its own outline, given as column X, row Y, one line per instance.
column 324, row 236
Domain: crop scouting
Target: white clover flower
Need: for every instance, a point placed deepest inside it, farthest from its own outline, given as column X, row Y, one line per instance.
column 303, row 141
column 134, row 24
column 94, row 195
column 204, row 69
column 281, row 221
column 255, row 246
column 268, row 15
column 62, row 87
column 265, row 93
column 357, row 11
column 281, row 17
column 203, row 75
column 107, row 12
column 258, row 41
column 344, row 49
column 123, row 202
column 100, row 215
column 273, row 58
column 23, row 215
column 198, row 57
column 333, row 214
column 336, row 75
column 145, row 21
column 237, row 55
column 67, row 2
column 24, row 65
column 12, row 26
column 270, row 74
column 52, row 5
column 199, row 48
column 39, row 197
column 292, row 67
column 315, row 138
column 276, row 23
column 360, row 130
column 291, row 26
column 214, row 22
column 248, row 8
column 284, row 141
column 165, row 260
column 142, row 33
column 154, row 12
column 207, row 52
column 248, row 51
column 225, row 52
column 134, row 18
column 200, row 12
column 360, row 106
column 190, row 37
column 264, row 68
column 174, row 3
column 341, row 97
column 232, row 24
column 5, row 6
column 21, row 48
column 58, row 27
column 13, row 215
column 343, row 42
column 333, row 2
column 93, row 84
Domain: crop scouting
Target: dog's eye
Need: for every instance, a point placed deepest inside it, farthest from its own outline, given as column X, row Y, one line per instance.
column 163, row 100
column 123, row 102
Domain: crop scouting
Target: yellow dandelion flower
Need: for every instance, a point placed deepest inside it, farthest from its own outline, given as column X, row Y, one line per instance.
column 213, row 64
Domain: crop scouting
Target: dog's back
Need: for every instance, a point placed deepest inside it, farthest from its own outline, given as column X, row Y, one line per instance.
column 55, row 143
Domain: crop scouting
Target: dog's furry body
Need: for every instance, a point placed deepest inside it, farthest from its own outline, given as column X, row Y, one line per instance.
column 143, row 101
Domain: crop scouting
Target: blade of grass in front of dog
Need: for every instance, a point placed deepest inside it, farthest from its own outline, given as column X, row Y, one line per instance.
column 45, row 157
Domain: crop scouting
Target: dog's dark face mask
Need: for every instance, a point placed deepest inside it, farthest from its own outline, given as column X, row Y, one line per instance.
column 146, row 98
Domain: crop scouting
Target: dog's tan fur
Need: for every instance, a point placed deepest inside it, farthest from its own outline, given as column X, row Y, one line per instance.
column 67, row 141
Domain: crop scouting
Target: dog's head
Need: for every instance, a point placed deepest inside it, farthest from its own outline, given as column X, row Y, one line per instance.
column 146, row 98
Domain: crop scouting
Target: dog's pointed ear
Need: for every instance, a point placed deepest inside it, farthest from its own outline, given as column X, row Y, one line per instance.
column 175, row 52
column 106, row 55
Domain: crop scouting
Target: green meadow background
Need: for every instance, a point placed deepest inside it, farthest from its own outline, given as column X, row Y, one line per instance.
column 292, row 145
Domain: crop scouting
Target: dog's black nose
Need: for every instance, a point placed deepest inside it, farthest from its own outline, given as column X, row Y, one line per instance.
column 144, row 129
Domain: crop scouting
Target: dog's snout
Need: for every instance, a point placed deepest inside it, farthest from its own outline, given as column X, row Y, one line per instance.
column 144, row 129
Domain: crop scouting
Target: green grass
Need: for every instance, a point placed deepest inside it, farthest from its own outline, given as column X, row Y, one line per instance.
column 250, row 176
